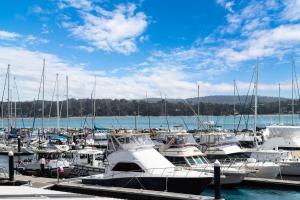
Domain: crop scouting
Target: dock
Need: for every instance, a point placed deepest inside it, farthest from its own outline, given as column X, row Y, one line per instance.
column 271, row 183
column 124, row 193
column 74, row 185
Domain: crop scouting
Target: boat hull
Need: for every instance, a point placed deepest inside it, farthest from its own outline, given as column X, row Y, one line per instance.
column 50, row 173
column 292, row 169
column 192, row 185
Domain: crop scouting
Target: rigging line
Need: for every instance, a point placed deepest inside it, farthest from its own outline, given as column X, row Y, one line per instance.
column 243, row 105
column 2, row 103
column 50, row 110
column 21, row 110
column 192, row 109
column 41, row 80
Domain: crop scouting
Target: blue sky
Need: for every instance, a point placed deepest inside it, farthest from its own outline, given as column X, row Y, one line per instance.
column 154, row 46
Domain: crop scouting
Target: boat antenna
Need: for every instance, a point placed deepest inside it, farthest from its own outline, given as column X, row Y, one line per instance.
column 166, row 114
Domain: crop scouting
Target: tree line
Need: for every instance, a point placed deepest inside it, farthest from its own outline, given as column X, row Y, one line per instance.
column 123, row 107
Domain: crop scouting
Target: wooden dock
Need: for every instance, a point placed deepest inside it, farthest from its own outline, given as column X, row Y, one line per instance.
column 271, row 183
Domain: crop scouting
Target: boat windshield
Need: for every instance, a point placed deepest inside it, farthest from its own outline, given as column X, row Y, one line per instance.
column 129, row 141
column 180, row 140
column 196, row 160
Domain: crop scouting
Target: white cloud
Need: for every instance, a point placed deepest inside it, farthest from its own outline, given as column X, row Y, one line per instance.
column 292, row 10
column 79, row 4
column 227, row 4
column 86, row 48
column 111, row 31
column 5, row 35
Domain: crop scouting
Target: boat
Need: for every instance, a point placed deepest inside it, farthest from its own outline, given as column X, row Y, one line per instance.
column 134, row 163
column 45, row 163
column 86, row 162
column 224, row 146
column 182, row 150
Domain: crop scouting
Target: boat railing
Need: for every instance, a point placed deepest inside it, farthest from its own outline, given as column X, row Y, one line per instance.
column 3, row 172
column 160, row 172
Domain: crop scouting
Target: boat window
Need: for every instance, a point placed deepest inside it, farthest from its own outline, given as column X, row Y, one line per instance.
column 198, row 160
column 204, row 160
column 127, row 167
column 179, row 161
column 191, row 160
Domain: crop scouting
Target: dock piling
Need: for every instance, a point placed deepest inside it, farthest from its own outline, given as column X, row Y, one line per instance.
column 42, row 165
column 19, row 144
column 217, row 179
column 11, row 166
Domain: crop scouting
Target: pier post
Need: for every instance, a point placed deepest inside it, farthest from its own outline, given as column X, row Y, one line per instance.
column 19, row 144
column 11, row 166
column 217, row 179
column 42, row 165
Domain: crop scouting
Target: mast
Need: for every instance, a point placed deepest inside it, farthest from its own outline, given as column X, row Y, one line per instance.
column 198, row 106
column 293, row 101
column 57, row 102
column 94, row 107
column 15, row 102
column 148, row 111
column 234, row 105
column 67, row 100
column 279, row 104
column 255, row 103
column 43, row 95
column 8, row 96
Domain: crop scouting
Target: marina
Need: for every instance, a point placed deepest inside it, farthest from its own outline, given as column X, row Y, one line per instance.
column 150, row 100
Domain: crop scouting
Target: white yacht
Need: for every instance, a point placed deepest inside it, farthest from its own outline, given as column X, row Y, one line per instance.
column 224, row 147
column 53, row 163
column 134, row 163
column 289, row 165
column 182, row 150
column 86, row 162
column 282, row 138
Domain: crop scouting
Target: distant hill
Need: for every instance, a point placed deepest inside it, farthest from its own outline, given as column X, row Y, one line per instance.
column 222, row 99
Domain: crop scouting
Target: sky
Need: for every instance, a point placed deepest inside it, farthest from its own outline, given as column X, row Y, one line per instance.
column 135, row 48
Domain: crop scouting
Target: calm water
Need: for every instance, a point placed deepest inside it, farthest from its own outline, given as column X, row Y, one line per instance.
column 256, row 193
column 155, row 122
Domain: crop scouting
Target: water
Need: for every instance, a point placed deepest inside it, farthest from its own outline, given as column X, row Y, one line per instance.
column 255, row 193
column 155, row 121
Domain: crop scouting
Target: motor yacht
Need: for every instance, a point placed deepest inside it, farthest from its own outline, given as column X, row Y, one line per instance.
column 134, row 163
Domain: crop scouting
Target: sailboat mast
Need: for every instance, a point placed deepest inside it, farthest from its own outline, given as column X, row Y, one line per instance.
column 279, row 104
column 255, row 103
column 94, row 107
column 8, row 96
column 67, row 100
column 234, row 105
column 57, row 102
column 198, row 106
column 293, row 102
column 15, row 102
column 43, row 96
